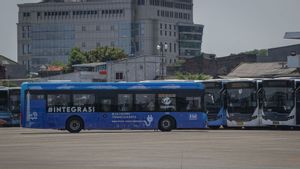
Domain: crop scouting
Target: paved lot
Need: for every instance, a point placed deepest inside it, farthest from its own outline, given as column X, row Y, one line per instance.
column 221, row 149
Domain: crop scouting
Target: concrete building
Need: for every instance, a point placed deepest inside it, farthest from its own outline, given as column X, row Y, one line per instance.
column 263, row 70
column 215, row 66
column 135, row 69
column 76, row 77
column 48, row 30
column 9, row 69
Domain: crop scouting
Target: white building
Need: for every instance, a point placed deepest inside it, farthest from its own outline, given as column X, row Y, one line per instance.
column 47, row 31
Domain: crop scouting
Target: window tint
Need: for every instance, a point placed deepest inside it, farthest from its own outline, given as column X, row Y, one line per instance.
column 145, row 102
column 166, row 102
column 59, row 100
column 193, row 103
column 106, row 105
column 125, row 102
column 83, row 99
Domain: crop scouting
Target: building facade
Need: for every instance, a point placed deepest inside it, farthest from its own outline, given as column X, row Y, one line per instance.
column 47, row 31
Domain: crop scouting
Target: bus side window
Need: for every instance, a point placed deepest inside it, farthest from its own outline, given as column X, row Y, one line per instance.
column 125, row 102
column 106, row 105
column 194, row 104
column 84, row 100
column 167, row 102
column 59, row 100
column 145, row 102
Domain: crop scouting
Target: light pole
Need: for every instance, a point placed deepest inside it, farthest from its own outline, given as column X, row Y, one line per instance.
column 161, row 47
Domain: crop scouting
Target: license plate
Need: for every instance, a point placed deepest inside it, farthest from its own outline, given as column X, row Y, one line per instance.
column 240, row 123
column 276, row 122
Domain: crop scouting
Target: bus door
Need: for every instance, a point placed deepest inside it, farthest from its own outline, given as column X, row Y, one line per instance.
column 298, row 106
column 36, row 110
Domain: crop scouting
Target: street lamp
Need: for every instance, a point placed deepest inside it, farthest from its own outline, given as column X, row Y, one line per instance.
column 161, row 47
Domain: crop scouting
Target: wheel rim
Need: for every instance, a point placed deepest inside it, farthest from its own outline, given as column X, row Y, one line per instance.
column 166, row 124
column 75, row 125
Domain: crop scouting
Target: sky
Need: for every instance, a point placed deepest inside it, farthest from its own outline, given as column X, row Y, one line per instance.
column 230, row 26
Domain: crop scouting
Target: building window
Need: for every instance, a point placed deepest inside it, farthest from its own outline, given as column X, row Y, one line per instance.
column 83, row 44
column 119, row 76
column 97, row 28
column 175, row 47
column 158, row 14
column 161, row 32
column 170, row 47
column 141, row 2
column 98, row 45
column 83, row 28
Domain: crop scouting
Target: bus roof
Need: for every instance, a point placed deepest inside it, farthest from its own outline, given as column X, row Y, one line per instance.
column 111, row 86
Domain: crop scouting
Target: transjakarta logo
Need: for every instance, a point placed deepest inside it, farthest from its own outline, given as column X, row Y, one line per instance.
column 166, row 101
column 71, row 109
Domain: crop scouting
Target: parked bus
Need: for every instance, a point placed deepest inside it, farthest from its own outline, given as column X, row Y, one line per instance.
column 214, row 103
column 76, row 106
column 279, row 101
column 5, row 115
column 241, row 103
column 14, row 105
column 9, row 106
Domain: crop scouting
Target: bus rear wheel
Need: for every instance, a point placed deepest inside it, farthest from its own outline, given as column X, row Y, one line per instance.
column 166, row 124
column 74, row 124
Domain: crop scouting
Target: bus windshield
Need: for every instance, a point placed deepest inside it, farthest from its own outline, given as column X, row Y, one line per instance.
column 241, row 100
column 278, row 99
column 212, row 100
column 3, row 101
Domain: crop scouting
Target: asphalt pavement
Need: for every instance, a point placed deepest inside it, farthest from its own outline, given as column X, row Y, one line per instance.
column 125, row 149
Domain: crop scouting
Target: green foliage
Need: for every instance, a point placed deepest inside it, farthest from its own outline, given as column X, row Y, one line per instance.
column 101, row 54
column 260, row 52
column 104, row 54
column 190, row 76
column 58, row 63
column 77, row 57
column 8, row 84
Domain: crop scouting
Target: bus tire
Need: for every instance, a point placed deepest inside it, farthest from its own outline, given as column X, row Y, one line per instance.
column 74, row 124
column 166, row 124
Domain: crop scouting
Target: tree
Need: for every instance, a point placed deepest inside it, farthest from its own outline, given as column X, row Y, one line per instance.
column 101, row 54
column 58, row 63
column 105, row 54
column 77, row 57
column 190, row 76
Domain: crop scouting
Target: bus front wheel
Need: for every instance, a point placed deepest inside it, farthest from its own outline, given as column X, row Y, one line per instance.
column 74, row 124
column 166, row 124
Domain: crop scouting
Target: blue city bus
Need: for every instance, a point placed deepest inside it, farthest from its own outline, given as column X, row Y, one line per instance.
column 76, row 106
column 214, row 103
